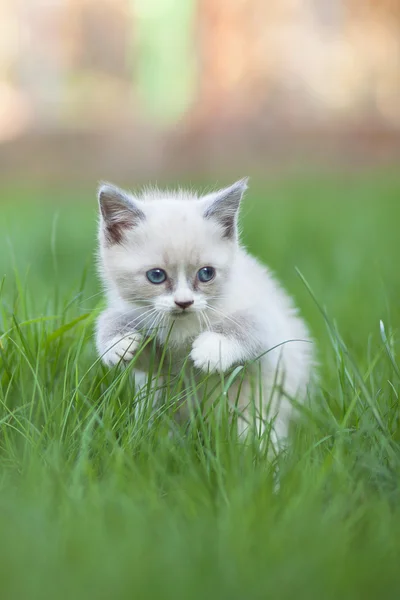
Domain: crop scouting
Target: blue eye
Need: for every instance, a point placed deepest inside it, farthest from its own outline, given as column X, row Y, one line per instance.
column 156, row 276
column 206, row 274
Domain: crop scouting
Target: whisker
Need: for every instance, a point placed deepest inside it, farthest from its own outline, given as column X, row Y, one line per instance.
column 227, row 317
column 198, row 315
column 208, row 320
column 135, row 321
column 154, row 323
column 92, row 296
column 149, row 314
column 203, row 319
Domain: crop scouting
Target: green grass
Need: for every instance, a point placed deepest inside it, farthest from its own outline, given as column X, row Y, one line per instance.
column 96, row 504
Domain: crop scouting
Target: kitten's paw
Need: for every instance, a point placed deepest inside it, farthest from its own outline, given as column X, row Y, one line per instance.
column 121, row 350
column 213, row 352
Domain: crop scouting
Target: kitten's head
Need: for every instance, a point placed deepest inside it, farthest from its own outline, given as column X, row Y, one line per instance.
column 171, row 252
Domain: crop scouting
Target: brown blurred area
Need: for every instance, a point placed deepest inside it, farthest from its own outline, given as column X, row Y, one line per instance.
column 139, row 89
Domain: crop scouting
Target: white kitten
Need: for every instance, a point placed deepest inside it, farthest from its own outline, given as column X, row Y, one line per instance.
column 173, row 267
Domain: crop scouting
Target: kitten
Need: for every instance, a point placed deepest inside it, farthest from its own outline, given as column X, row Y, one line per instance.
column 173, row 265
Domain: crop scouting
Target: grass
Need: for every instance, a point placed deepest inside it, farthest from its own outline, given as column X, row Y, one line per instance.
column 96, row 504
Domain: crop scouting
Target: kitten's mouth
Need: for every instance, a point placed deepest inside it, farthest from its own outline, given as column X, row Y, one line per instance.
column 180, row 313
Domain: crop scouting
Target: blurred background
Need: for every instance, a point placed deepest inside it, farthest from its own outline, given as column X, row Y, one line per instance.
column 302, row 95
column 137, row 89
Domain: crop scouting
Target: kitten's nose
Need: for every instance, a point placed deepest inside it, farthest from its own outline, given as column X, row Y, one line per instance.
column 184, row 304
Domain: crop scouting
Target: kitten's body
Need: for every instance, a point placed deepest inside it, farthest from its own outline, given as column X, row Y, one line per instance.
column 240, row 315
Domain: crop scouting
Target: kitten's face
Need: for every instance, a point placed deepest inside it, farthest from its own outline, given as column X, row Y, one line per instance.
column 170, row 254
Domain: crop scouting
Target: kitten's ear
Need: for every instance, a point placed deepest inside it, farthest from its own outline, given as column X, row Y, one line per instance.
column 223, row 206
column 119, row 212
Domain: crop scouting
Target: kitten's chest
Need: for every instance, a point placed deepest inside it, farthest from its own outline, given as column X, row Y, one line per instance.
column 176, row 346
column 179, row 335
column 177, row 354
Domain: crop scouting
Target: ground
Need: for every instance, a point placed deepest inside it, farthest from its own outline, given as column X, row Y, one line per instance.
column 96, row 504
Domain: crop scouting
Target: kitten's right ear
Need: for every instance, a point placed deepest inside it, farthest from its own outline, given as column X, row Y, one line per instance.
column 119, row 212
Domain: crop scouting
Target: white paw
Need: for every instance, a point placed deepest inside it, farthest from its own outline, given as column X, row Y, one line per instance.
column 213, row 352
column 121, row 350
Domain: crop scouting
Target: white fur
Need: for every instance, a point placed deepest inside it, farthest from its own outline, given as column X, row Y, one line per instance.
column 214, row 352
column 242, row 314
column 122, row 349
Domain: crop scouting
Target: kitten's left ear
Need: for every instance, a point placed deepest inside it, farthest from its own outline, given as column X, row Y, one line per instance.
column 224, row 204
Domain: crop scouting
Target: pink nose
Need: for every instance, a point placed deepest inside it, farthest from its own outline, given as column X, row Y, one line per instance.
column 184, row 304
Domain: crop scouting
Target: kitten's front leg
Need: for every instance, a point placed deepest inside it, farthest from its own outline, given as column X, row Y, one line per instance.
column 116, row 338
column 233, row 341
